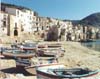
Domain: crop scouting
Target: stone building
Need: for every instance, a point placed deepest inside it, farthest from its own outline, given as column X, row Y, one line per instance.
column 43, row 23
column 64, row 28
column 98, row 33
column 9, row 27
column 3, row 23
column 16, row 21
column 22, row 19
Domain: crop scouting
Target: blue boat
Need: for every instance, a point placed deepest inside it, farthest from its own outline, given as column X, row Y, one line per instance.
column 59, row 71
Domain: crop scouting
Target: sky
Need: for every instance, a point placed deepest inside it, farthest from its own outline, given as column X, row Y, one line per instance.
column 61, row 9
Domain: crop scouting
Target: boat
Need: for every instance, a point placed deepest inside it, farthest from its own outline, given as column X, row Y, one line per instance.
column 22, row 62
column 59, row 71
column 40, row 61
column 49, row 45
column 1, row 56
column 28, row 46
column 50, row 52
column 55, row 45
column 17, row 53
column 46, row 53
column 87, row 40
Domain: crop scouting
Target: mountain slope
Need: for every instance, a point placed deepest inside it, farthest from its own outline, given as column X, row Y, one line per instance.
column 93, row 19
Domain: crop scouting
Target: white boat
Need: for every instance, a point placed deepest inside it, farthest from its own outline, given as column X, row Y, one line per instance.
column 59, row 71
column 41, row 61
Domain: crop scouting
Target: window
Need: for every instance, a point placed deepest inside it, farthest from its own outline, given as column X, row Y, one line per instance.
column 18, row 13
column 37, row 28
column 22, row 29
column 15, row 32
column 36, row 24
column 4, row 23
column 15, row 24
column 5, row 17
column 47, row 26
column 42, row 28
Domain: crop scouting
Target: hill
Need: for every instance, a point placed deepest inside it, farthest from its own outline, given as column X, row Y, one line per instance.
column 93, row 19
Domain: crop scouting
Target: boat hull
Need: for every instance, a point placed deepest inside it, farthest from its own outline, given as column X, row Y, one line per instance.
column 43, row 74
column 23, row 56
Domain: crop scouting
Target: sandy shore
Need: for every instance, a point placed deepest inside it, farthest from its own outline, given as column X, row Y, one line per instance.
column 5, row 63
column 75, row 56
column 78, row 56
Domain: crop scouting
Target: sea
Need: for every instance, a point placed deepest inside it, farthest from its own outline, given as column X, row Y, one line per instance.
column 95, row 45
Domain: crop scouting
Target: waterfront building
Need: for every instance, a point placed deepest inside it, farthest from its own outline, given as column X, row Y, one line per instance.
column 3, row 23
column 43, row 23
column 9, row 25
column 16, row 21
column 53, row 21
column 25, row 18
column 98, row 34
column 65, row 27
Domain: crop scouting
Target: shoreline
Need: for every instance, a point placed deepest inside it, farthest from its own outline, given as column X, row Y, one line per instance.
column 75, row 56
column 93, row 45
column 79, row 56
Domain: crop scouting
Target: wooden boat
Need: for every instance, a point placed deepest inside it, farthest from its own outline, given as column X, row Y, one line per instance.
column 50, row 52
column 16, row 53
column 56, row 45
column 46, row 53
column 22, row 62
column 48, row 45
column 87, row 40
column 50, row 49
column 40, row 61
column 28, row 46
column 59, row 71
column 1, row 56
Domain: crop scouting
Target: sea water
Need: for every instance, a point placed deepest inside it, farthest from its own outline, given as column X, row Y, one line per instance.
column 93, row 45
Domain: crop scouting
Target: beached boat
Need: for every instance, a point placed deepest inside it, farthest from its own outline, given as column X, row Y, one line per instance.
column 22, row 62
column 46, row 53
column 56, row 45
column 59, row 71
column 87, row 40
column 16, row 53
column 1, row 56
column 50, row 49
column 49, row 45
column 50, row 52
column 28, row 46
column 40, row 61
